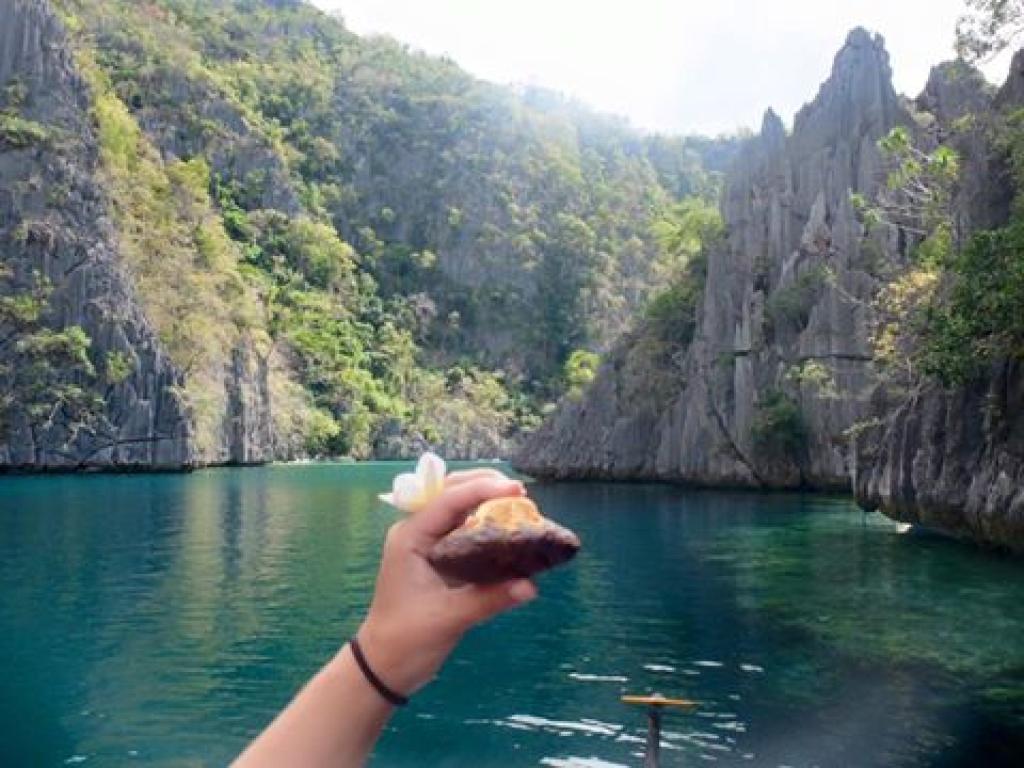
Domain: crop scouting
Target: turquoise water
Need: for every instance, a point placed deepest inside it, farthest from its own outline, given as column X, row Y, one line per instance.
column 163, row 620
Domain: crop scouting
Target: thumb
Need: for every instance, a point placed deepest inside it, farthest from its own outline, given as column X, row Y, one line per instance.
column 478, row 602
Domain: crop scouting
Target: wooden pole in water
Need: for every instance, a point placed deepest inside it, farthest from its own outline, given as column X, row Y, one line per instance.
column 654, row 705
column 652, row 756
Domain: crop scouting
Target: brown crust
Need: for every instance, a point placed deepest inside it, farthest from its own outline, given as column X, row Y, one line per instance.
column 503, row 539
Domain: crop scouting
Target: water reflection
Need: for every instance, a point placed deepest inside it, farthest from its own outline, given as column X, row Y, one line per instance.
column 166, row 619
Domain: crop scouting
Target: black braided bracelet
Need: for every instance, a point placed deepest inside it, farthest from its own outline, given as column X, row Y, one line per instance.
column 390, row 696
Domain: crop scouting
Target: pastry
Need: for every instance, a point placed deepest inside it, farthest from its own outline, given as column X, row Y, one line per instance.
column 505, row 538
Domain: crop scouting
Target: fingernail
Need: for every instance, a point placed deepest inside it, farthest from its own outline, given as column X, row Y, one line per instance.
column 522, row 591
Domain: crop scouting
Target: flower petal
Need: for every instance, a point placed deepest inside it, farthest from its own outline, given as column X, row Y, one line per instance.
column 387, row 498
column 431, row 471
column 407, row 492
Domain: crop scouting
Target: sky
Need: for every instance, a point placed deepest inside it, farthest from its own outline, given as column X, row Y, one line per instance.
column 672, row 66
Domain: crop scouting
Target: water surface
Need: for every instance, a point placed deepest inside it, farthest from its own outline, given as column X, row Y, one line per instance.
column 163, row 620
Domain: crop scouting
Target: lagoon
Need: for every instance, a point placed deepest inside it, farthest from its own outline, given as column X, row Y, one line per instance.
column 163, row 620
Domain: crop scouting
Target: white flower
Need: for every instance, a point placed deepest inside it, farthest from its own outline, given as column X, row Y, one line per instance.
column 414, row 490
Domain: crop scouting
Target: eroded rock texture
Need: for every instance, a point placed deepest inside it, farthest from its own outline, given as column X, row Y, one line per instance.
column 787, row 210
column 792, row 287
column 55, row 221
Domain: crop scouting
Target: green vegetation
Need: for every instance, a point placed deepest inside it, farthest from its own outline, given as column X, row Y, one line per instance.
column 790, row 305
column 974, row 317
column 183, row 263
column 685, row 236
column 685, row 233
column 404, row 244
column 779, row 427
column 988, row 27
column 955, row 309
column 918, row 200
column 580, row 370
column 814, row 375
column 672, row 314
column 980, row 318
column 17, row 132
column 45, row 374
column 118, row 366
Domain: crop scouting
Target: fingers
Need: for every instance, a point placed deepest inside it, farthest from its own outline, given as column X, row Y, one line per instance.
column 449, row 510
column 464, row 475
column 477, row 603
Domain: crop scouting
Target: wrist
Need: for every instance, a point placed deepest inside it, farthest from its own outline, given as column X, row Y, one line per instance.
column 400, row 661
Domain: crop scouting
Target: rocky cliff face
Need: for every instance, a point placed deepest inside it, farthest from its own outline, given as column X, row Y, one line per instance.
column 786, row 319
column 767, row 311
column 954, row 460
column 55, row 222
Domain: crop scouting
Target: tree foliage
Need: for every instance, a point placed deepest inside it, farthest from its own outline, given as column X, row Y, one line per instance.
column 955, row 308
column 779, row 427
column 980, row 318
column 988, row 27
column 686, row 236
column 371, row 218
column 917, row 200
column 580, row 370
column 46, row 375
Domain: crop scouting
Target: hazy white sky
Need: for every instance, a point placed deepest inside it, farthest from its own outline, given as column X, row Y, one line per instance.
column 676, row 66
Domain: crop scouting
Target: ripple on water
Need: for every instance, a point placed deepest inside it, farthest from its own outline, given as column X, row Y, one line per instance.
column 594, row 727
column 197, row 605
column 579, row 762
column 591, row 678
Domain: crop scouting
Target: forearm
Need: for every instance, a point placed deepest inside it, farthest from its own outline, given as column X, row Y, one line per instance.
column 334, row 721
column 415, row 619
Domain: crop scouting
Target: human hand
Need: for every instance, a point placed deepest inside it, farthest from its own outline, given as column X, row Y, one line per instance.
column 416, row 617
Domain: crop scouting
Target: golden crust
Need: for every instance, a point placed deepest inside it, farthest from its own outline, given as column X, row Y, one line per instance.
column 503, row 539
column 508, row 513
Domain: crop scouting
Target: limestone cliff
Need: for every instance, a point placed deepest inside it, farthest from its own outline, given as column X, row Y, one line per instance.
column 954, row 460
column 767, row 311
column 785, row 324
column 55, row 222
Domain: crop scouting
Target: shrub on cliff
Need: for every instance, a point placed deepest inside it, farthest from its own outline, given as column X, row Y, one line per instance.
column 46, row 375
column 779, row 427
column 981, row 319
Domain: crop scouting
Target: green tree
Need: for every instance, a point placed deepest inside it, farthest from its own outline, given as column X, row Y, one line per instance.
column 980, row 318
column 685, row 235
column 988, row 27
column 687, row 230
column 917, row 199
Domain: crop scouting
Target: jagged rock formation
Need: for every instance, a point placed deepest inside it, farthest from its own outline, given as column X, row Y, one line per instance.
column 788, row 214
column 951, row 460
column 332, row 230
column 145, row 423
column 954, row 460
